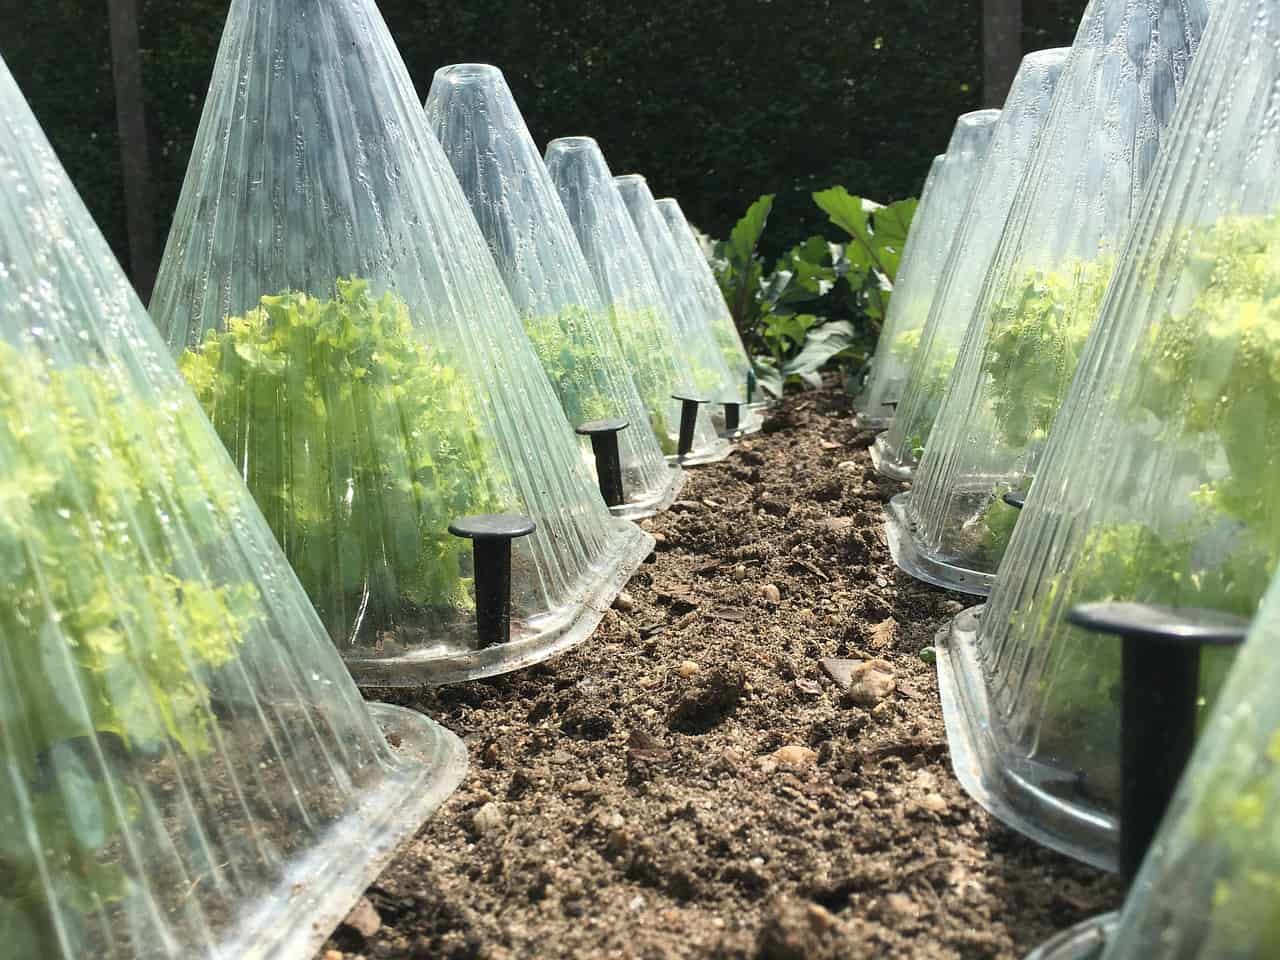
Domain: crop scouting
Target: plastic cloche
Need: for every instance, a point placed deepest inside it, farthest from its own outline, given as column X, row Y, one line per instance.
column 1158, row 481
column 712, row 378
column 641, row 317
column 710, row 301
column 937, row 222
column 897, row 451
column 330, row 298
column 187, row 768
column 473, row 114
column 1044, row 289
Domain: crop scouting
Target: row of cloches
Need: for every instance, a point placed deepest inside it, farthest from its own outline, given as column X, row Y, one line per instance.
column 213, row 516
column 1080, row 376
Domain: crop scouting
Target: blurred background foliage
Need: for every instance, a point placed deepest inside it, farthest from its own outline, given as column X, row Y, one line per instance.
column 716, row 102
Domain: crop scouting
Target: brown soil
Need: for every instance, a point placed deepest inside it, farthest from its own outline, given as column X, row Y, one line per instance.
column 690, row 783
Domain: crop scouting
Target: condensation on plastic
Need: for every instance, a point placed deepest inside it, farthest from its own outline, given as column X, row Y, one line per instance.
column 897, row 451
column 473, row 114
column 1159, row 481
column 1045, row 286
column 708, row 298
column 330, row 297
column 1207, row 889
column 186, row 768
column 712, row 378
column 621, row 270
column 933, row 231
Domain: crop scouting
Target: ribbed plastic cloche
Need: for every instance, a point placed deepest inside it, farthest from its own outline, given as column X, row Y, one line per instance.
column 1044, row 289
column 1158, row 481
column 330, row 298
column 472, row 112
column 959, row 284
column 641, row 317
column 1207, row 888
column 933, row 232
column 712, row 378
column 186, row 767
column 710, row 301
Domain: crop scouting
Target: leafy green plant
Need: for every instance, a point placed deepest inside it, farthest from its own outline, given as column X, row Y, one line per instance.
column 573, row 362
column 360, row 443
column 1208, row 386
column 104, row 501
column 822, row 302
column 650, row 371
column 1035, row 337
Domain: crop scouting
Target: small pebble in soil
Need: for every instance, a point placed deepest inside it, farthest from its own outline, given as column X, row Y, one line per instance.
column 687, row 668
column 624, row 602
column 333, row 955
column 870, row 682
column 363, row 918
column 795, row 756
column 934, row 803
column 659, row 537
column 771, row 593
column 488, row 819
column 900, row 904
column 740, row 572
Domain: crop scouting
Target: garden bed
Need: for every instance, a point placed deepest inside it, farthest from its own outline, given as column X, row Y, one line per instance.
column 692, row 783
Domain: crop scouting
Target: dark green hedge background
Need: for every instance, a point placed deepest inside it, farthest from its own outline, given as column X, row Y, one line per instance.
column 716, row 101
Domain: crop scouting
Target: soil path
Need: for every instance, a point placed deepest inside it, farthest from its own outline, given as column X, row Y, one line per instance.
column 690, row 783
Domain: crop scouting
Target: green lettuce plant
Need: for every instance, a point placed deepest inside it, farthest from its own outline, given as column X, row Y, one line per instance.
column 360, row 443
column 1036, row 333
column 1209, row 382
column 107, row 498
column 573, row 362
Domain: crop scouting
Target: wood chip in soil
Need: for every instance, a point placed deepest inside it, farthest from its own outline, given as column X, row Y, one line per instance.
column 691, row 783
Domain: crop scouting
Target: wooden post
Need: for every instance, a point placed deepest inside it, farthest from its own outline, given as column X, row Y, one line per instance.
column 1001, row 48
column 135, row 163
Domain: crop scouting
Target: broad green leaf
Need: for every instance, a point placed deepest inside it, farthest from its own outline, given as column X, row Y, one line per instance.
column 746, row 233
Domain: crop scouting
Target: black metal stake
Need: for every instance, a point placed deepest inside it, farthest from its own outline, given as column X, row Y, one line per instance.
column 732, row 414
column 751, row 385
column 604, row 444
column 491, row 535
column 688, row 422
column 1160, row 687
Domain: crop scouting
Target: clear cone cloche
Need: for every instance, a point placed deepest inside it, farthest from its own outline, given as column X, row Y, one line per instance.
column 873, row 379
column 331, row 300
column 1042, row 294
column 186, row 767
column 1209, row 888
column 641, row 318
column 933, row 231
column 897, row 451
column 1158, row 484
column 473, row 114
column 713, row 380
column 710, row 301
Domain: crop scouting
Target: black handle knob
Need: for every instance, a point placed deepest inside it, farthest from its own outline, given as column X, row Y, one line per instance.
column 604, row 444
column 1160, row 686
column 491, row 535
column 688, row 421
column 1015, row 498
column 732, row 415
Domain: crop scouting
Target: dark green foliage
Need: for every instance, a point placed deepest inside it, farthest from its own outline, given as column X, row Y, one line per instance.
column 715, row 102
column 823, row 301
